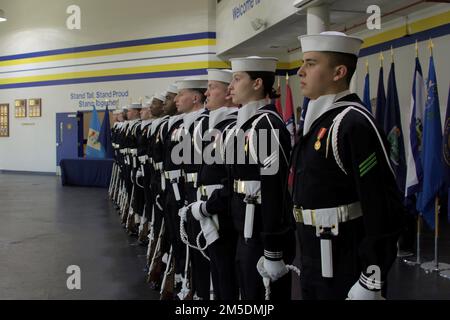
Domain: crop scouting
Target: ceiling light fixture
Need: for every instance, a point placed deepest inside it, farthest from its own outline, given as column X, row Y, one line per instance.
column 2, row 16
column 258, row 24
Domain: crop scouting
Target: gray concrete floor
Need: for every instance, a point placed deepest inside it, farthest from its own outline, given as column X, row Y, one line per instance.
column 44, row 228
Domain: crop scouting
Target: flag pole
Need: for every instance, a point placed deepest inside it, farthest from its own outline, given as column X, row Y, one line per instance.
column 436, row 233
column 435, row 266
column 392, row 54
column 417, row 49
column 418, row 259
column 419, row 231
column 431, row 45
column 287, row 84
column 381, row 59
column 444, row 270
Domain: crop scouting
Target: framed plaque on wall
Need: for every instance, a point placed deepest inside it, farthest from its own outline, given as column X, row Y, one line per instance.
column 4, row 120
column 20, row 108
column 35, row 107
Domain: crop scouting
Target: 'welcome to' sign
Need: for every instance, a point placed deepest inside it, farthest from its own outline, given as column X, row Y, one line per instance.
column 244, row 7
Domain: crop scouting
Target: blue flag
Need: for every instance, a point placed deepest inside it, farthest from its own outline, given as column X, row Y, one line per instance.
column 367, row 93
column 446, row 150
column 105, row 136
column 94, row 148
column 381, row 99
column 414, row 175
column 394, row 132
column 432, row 155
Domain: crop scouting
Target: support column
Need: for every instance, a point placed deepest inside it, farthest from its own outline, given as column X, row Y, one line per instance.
column 317, row 19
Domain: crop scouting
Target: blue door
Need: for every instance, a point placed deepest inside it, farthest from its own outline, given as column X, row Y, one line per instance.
column 67, row 146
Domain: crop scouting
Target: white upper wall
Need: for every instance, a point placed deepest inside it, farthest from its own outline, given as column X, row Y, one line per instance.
column 41, row 25
column 32, row 142
column 234, row 19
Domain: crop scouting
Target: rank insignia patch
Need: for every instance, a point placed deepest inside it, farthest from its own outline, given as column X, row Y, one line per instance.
column 367, row 165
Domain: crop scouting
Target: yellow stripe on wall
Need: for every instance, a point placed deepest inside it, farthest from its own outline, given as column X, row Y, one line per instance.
column 118, row 71
column 414, row 27
column 115, row 51
column 289, row 65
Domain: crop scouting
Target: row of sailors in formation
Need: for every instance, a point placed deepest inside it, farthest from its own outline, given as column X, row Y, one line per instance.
column 226, row 229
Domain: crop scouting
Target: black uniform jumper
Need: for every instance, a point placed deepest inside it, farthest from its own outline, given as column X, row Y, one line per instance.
column 156, row 162
column 145, row 207
column 196, row 121
column 320, row 182
column 174, row 196
column 273, row 227
column 222, row 251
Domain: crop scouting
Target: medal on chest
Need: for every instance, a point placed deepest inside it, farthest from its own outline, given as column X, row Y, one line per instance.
column 246, row 140
column 320, row 136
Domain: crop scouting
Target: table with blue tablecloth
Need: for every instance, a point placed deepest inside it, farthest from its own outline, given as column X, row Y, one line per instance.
column 86, row 172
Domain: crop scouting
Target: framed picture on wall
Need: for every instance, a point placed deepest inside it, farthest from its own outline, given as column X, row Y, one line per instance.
column 4, row 120
column 20, row 108
column 35, row 107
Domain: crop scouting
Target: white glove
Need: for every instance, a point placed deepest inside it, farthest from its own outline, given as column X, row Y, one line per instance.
column 139, row 174
column 358, row 292
column 183, row 213
column 197, row 209
column 209, row 229
column 271, row 269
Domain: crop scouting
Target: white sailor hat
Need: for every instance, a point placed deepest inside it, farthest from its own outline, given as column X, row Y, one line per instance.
column 125, row 108
column 195, row 82
column 254, row 63
column 135, row 105
column 147, row 101
column 331, row 41
column 160, row 96
column 172, row 89
column 221, row 75
column 118, row 111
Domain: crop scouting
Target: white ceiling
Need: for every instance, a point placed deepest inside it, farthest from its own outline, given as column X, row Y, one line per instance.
column 345, row 15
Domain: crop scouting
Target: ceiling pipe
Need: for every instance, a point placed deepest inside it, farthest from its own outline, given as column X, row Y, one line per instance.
column 382, row 16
